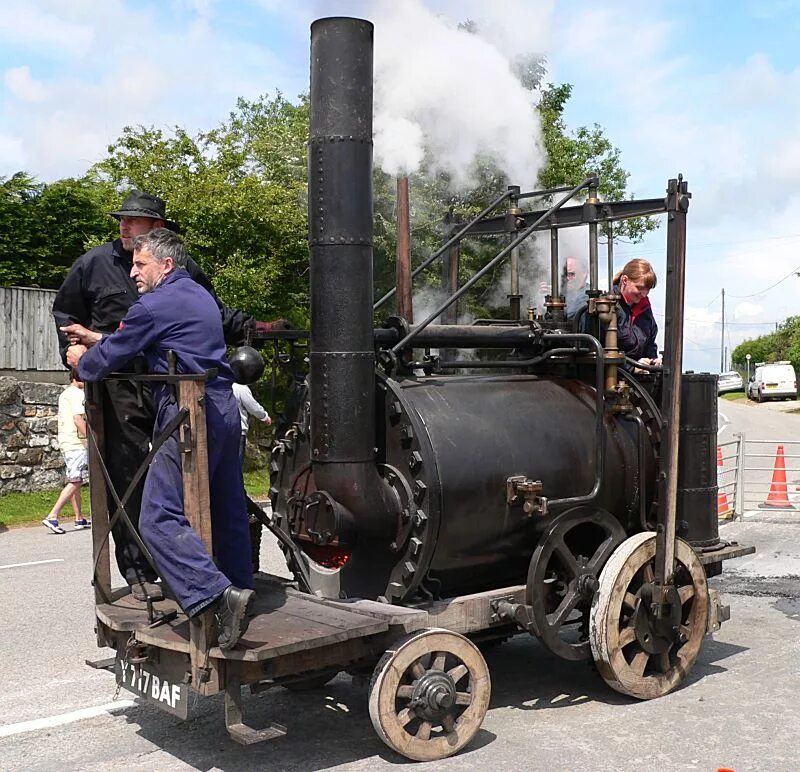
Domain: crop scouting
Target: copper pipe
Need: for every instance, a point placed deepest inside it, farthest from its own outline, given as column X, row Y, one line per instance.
column 403, row 268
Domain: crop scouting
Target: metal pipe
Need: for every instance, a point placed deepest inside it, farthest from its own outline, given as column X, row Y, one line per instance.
column 491, row 264
column 600, row 435
column 641, row 435
column 514, row 297
column 590, row 214
column 463, row 336
column 496, row 202
column 610, row 232
column 545, row 192
column 739, row 502
column 403, row 263
column 511, row 363
column 554, row 277
column 342, row 358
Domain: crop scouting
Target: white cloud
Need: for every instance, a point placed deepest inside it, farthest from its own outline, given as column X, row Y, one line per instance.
column 12, row 155
column 186, row 74
column 746, row 309
column 22, row 86
column 23, row 24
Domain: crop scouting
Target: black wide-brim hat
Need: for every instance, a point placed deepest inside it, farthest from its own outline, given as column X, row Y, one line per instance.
column 141, row 204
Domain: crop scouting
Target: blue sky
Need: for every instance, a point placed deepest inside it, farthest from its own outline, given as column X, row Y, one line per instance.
column 711, row 90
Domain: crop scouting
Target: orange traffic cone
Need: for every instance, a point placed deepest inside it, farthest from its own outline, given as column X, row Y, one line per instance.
column 778, row 497
column 724, row 511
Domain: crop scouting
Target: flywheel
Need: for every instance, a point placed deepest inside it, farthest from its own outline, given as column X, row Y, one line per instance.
column 563, row 577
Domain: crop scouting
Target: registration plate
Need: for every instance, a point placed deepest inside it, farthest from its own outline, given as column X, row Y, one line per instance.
column 146, row 682
column 772, row 385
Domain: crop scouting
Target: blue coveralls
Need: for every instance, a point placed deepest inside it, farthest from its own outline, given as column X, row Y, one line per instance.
column 180, row 316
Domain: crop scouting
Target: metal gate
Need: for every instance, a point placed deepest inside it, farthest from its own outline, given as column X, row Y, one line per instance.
column 757, row 475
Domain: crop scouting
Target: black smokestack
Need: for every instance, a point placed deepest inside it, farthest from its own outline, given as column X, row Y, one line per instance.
column 340, row 239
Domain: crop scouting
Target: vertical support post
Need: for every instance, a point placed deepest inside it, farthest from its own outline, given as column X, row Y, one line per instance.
column 450, row 260
column 590, row 217
column 610, row 233
column 738, row 506
column 514, row 296
column 197, row 508
column 555, row 290
column 677, row 206
column 98, row 497
column 452, row 257
column 403, row 264
column 722, row 356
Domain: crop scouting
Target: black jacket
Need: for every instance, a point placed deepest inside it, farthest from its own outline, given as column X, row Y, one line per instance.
column 637, row 338
column 98, row 291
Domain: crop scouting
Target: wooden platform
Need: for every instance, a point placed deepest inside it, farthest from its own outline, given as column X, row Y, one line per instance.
column 285, row 622
column 728, row 552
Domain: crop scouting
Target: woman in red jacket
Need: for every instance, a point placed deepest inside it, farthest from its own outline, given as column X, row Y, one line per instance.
column 636, row 325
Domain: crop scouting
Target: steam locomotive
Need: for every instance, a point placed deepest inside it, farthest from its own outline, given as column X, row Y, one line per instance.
column 426, row 501
column 410, row 480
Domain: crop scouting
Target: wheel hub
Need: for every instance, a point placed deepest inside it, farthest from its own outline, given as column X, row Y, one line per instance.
column 434, row 694
column 657, row 635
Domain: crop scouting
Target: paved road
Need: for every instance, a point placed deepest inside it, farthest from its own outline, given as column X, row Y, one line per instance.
column 738, row 707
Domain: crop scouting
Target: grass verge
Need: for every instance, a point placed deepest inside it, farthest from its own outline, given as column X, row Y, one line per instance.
column 18, row 509
column 733, row 396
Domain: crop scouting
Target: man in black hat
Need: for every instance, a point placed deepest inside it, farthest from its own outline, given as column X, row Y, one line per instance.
column 97, row 293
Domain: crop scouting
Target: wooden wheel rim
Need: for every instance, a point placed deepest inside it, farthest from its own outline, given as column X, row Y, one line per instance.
column 608, row 641
column 390, row 724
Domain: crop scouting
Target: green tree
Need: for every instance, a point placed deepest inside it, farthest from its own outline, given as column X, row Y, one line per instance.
column 44, row 228
column 238, row 192
column 782, row 344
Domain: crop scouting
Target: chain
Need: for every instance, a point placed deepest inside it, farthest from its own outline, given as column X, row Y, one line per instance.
column 128, row 646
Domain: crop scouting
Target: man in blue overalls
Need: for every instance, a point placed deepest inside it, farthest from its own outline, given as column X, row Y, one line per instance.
column 174, row 313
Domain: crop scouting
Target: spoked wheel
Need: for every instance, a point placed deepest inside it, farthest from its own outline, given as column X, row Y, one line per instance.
column 563, row 577
column 429, row 694
column 635, row 653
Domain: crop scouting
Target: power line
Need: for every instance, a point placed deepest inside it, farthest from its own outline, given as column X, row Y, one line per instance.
column 711, row 321
column 793, row 272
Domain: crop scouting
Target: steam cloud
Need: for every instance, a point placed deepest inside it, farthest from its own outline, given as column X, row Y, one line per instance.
column 453, row 93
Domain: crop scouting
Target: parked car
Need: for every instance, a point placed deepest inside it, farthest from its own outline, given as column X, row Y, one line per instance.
column 730, row 381
column 773, row 381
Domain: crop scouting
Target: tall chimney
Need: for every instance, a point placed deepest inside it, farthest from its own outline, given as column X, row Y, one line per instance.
column 340, row 239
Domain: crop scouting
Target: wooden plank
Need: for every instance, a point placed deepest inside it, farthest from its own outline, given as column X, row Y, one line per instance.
column 98, row 496
column 471, row 613
column 726, row 553
column 196, row 498
column 197, row 508
column 280, row 633
column 409, row 619
column 27, row 332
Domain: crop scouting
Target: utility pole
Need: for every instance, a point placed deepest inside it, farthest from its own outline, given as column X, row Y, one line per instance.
column 722, row 337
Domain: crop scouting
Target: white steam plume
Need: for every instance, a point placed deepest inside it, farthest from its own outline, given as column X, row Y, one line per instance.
column 451, row 93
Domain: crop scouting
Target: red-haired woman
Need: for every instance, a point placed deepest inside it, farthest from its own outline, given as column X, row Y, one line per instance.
column 636, row 325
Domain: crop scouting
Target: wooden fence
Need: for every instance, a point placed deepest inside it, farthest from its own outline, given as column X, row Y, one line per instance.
column 27, row 332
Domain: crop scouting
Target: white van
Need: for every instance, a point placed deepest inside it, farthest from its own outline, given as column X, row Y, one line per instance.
column 772, row 381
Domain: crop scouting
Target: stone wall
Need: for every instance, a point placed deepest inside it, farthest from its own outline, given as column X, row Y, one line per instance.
column 29, row 456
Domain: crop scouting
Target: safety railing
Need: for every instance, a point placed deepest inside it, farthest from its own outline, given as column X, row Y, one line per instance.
column 757, row 475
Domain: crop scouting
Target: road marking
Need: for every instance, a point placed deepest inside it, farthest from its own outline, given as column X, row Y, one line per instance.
column 64, row 718
column 34, row 563
column 725, row 425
